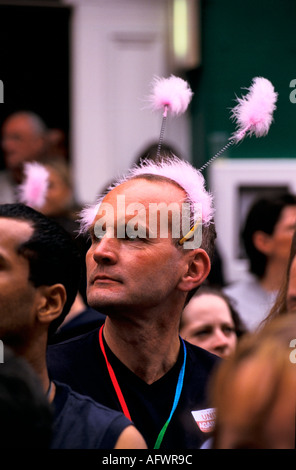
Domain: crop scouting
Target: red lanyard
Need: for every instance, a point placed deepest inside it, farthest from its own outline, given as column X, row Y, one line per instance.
column 122, row 400
column 113, row 378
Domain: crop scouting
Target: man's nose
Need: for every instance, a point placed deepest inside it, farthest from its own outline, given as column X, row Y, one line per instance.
column 106, row 250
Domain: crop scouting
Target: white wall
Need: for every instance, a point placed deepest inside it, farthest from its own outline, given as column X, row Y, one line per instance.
column 117, row 48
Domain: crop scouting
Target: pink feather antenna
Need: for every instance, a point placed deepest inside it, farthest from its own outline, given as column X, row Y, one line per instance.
column 171, row 94
column 253, row 113
column 32, row 191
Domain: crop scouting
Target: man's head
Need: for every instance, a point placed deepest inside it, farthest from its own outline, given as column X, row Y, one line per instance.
column 40, row 272
column 136, row 258
column 268, row 231
column 23, row 139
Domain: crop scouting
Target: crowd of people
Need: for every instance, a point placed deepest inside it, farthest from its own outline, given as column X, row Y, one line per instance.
column 127, row 335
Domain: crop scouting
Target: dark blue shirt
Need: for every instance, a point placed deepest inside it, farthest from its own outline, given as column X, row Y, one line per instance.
column 81, row 423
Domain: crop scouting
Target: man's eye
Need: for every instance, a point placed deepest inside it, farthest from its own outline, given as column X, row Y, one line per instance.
column 132, row 237
column 96, row 236
column 98, row 233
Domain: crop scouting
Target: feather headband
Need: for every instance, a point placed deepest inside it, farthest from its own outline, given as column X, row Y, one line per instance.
column 253, row 113
column 32, row 191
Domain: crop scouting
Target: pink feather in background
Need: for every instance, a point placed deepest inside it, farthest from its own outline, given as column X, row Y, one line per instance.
column 254, row 112
column 173, row 94
column 32, row 191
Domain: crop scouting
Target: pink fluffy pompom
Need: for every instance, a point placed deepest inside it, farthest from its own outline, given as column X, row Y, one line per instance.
column 173, row 94
column 254, row 112
column 32, row 191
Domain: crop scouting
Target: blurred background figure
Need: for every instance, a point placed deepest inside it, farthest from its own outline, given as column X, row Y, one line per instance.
column 267, row 237
column 60, row 201
column 286, row 298
column 26, row 415
column 56, row 143
column 254, row 391
column 210, row 321
column 23, row 140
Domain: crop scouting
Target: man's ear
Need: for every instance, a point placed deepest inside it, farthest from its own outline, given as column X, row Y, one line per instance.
column 262, row 242
column 196, row 271
column 51, row 302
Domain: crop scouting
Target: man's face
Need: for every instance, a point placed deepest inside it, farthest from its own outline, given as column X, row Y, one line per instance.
column 141, row 272
column 17, row 294
column 283, row 233
column 20, row 142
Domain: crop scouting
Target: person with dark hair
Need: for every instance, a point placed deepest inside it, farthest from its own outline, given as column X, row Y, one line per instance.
column 210, row 321
column 26, row 414
column 286, row 297
column 40, row 272
column 267, row 236
column 144, row 263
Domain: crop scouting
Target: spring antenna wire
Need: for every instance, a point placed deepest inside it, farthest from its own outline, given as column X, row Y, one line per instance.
column 231, row 142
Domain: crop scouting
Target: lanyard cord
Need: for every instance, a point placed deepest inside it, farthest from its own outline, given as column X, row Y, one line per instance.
column 176, row 399
column 121, row 397
column 113, row 377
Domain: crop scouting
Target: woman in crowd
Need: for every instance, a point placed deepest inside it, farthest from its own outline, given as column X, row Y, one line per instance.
column 210, row 321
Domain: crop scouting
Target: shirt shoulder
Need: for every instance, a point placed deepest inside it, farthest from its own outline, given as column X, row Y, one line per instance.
column 200, row 361
column 82, row 423
column 72, row 348
column 74, row 361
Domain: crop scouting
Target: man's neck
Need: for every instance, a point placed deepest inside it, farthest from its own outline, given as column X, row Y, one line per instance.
column 35, row 355
column 273, row 277
column 148, row 350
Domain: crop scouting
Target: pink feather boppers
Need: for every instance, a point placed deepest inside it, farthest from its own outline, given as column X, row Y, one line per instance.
column 32, row 191
column 254, row 112
column 170, row 94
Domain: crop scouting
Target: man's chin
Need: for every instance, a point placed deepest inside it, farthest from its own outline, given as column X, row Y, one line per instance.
column 101, row 304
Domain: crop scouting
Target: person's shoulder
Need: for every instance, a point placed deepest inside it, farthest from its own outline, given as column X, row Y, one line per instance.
column 241, row 287
column 82, row 423
column 67, row 357
column 200, row 356
column 75, row 342
column 234, row 286
column 91, row 412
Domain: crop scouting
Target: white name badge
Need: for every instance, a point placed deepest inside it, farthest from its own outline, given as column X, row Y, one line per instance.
column 205, row 419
